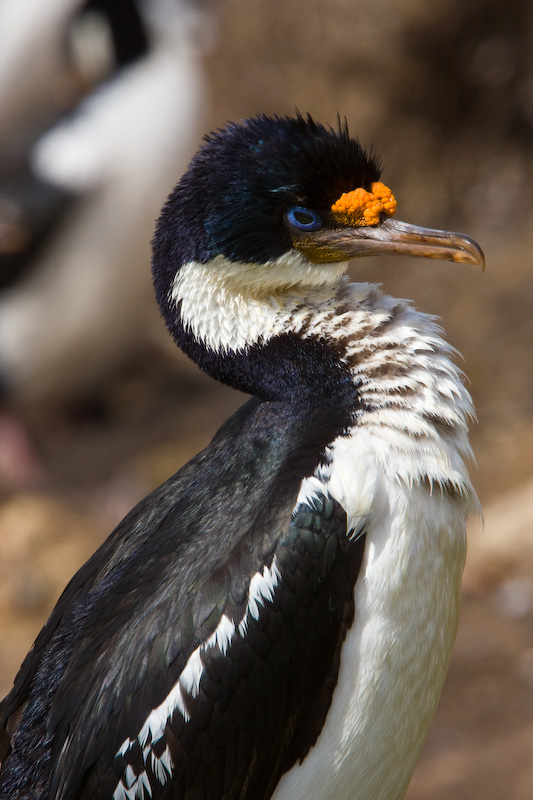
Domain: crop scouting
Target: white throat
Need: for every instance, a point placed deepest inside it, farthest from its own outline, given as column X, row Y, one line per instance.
column 231, row 305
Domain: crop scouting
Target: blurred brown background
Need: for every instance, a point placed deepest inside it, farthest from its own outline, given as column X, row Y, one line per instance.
column 443, row 91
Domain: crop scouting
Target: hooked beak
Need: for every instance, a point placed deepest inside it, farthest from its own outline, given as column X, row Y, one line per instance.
column 390, row 237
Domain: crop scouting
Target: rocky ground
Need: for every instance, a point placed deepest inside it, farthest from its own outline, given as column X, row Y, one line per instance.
column 445, row 94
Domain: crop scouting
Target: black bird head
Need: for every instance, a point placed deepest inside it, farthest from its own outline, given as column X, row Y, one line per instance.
column 258, row 189
column 240, row 187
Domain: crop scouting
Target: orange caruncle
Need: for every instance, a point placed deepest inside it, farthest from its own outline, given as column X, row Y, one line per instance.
column 360, row 207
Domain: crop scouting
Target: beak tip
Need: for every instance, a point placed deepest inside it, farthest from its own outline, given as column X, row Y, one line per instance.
column 468, row 251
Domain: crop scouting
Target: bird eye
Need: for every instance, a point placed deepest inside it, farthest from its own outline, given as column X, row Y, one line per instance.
column 304, row 219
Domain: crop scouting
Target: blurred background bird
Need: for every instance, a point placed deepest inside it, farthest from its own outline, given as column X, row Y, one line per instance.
column 446, row 96
column 129, row 104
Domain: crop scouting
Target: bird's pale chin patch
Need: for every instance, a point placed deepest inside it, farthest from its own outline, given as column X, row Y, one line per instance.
column 293, row 270
column 210, row 297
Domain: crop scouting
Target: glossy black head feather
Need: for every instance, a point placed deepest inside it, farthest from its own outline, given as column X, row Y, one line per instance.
column 241, row 183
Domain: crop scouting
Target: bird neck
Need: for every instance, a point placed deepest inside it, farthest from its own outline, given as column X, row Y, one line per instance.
column 322, row 340
column 244, row 325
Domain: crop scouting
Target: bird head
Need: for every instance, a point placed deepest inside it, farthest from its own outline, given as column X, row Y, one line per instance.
column 271, row 186
column 282, row 202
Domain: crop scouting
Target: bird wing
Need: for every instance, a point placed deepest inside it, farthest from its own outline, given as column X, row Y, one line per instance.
column 205, row 664
column 227, row 717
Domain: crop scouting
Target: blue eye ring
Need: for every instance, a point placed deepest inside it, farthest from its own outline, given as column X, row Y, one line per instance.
column 304, row 219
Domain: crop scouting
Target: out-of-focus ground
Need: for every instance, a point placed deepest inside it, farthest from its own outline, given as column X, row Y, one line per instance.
column 444, row 92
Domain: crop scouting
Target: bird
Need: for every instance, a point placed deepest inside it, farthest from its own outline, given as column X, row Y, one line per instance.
column 81, row 301
column 275, row 620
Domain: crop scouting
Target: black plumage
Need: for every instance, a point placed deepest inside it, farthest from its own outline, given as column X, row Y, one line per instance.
column 122, row 632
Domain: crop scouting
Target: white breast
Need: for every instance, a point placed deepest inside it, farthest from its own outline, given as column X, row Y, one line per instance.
column 395, row 656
